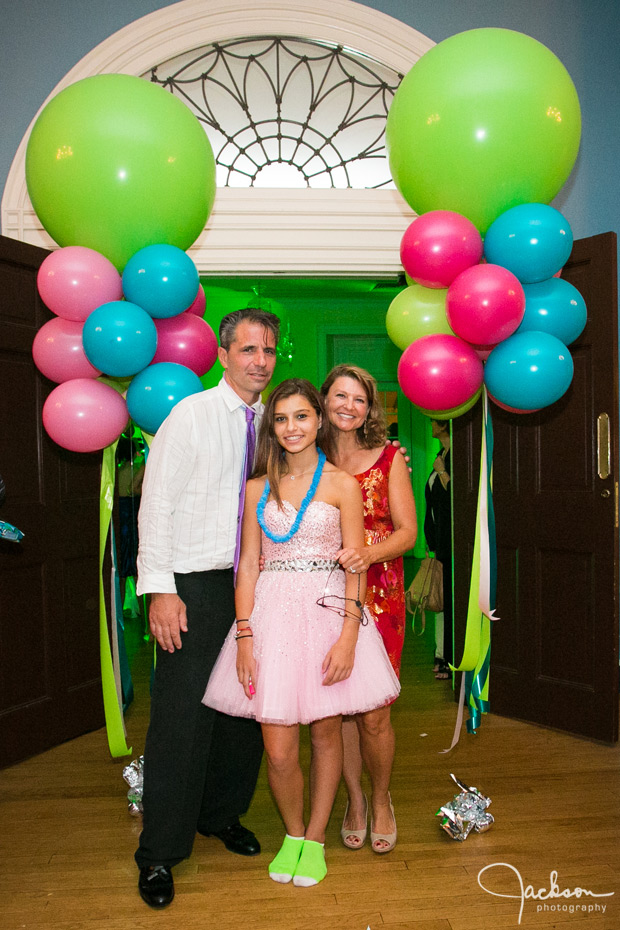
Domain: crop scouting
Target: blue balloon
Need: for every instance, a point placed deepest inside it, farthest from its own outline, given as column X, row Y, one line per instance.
column 555, row 307
column 529, row 370
column 532, row 240
column 162, row 279
column 155, row 391
column 119, row 338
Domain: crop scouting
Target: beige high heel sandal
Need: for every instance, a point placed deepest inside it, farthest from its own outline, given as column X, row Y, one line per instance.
column 389, row 838
column 345, row 833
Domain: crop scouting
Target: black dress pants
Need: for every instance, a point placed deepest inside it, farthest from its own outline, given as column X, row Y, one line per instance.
column 200, row 766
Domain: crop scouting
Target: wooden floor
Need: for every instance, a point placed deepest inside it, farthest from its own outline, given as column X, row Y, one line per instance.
column 67, row 841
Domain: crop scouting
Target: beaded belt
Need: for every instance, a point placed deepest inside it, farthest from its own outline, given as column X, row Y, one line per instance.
column 300, row 565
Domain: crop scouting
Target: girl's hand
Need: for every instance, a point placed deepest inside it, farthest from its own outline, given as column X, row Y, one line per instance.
column 338, row 663
column 246, row 665
column 357, row 559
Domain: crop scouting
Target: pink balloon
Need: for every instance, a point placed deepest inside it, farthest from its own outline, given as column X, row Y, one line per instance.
column 198, row 306
column 186, row 340
column 75, row 280
column 84, row 415
column 438, row 246
column 439, row 372
column 485, row 304
column 58, row 352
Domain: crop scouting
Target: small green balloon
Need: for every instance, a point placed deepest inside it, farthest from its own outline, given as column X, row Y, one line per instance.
column 415, row 312
column 455, row 411
column 116, row 163
column 485, row 120
column 119, row 384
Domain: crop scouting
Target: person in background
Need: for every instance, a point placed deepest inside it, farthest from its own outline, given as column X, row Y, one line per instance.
column 200, row 767
column 302, row 649
column 356, row 443
column 438, row 533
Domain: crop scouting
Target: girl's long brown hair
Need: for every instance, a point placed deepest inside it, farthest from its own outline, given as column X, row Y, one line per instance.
column 270, row 458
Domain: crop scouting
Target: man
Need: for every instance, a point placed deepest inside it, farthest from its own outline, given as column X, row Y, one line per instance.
column 200, row 767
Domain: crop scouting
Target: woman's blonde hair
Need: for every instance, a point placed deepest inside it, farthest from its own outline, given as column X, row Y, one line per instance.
column 373, row 432
column 270, row 458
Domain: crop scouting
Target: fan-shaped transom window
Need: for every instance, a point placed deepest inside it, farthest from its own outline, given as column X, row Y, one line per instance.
column 287, row 112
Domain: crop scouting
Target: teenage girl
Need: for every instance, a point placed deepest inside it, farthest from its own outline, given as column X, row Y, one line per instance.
column 301, row 649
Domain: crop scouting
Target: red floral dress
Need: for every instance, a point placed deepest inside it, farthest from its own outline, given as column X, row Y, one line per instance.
column 385, row 595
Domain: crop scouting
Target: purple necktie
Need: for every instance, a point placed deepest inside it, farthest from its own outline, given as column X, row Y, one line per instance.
column 248, row 462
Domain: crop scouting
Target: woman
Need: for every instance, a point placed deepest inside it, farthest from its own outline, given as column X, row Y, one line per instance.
column 438, row 533
column 288, row 660
column 356, row 444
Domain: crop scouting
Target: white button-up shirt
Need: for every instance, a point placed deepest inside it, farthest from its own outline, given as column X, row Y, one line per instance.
column 190, row 496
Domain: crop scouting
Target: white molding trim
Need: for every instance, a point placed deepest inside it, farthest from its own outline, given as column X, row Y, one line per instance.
column 259, row 231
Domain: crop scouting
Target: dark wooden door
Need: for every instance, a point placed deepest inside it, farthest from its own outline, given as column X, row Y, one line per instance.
column 50, row 680
column 554, row 652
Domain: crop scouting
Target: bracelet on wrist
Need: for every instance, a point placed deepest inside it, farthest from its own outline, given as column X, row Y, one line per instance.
column 249, row 635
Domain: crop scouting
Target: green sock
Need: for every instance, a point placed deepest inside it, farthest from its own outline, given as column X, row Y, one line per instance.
column 311, row 868
column 282, row 868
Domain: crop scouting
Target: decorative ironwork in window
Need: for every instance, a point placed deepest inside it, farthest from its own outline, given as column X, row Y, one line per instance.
column 288, row 112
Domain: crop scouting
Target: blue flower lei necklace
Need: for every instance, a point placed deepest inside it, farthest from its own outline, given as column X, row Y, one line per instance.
column 260, row 510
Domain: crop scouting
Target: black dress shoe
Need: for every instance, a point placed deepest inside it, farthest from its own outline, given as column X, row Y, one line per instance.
column 238, row 839
column 156, row 886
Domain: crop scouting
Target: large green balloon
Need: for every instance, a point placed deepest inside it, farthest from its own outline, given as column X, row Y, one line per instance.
column 116, row 163
column 415, row 312
column 484, row 121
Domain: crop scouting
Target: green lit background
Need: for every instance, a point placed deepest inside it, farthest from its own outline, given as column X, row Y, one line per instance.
column 328, row 322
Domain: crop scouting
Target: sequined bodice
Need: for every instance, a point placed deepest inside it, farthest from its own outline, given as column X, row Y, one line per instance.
column 318, row 535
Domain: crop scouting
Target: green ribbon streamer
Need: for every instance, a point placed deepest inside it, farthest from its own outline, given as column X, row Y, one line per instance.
column 491, row 508
column 475, row 663
column 112, row 701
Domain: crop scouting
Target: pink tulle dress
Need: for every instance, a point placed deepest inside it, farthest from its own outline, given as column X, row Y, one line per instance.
column 292, row 634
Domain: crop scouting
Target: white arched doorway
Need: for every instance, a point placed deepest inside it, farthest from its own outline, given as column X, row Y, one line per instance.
column 262, row 231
